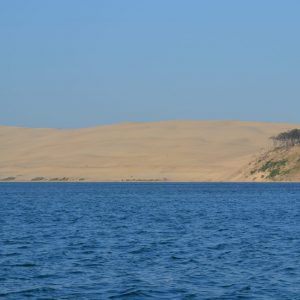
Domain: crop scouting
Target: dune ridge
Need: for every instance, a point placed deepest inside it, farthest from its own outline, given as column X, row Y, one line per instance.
column 150, row 151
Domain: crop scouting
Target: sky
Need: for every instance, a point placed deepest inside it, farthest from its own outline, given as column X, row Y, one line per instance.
column 74, row 63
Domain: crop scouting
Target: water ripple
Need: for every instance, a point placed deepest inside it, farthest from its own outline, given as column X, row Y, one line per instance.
column 149, row 241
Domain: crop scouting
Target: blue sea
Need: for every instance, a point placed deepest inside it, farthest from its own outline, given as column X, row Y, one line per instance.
column 149, row 241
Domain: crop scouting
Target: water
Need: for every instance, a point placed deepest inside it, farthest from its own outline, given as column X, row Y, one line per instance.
column 149, row 241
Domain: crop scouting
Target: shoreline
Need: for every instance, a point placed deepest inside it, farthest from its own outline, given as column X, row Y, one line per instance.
column 149, row 181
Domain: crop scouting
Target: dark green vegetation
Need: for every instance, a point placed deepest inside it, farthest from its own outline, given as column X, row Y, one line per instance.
column 43, row 179
column 274, row 173
column 271, row 165
column 8, row 179
column 38, row 179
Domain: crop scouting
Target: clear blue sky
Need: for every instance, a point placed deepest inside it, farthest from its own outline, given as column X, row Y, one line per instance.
column 69, row 63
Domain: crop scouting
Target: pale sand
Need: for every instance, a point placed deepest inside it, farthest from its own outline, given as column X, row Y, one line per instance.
column 172, row 150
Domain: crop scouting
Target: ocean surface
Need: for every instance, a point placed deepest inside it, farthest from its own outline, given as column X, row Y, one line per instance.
column 149, row 241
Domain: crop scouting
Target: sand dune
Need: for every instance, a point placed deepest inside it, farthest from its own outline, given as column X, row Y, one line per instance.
column 171, row 150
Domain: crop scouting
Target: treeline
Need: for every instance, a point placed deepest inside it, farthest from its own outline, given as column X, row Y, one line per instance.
column 287, row 139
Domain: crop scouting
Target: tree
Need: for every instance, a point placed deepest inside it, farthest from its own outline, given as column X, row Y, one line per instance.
column 287, row 139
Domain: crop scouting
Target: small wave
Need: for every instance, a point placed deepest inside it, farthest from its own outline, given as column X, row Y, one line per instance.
column 25, row 265
column 10, row 254
column 220, row 246
column 27, row 291
column 128, row 294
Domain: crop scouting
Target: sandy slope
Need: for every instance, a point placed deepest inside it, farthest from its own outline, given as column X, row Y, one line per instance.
column 277, row 164
column 172, row 150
